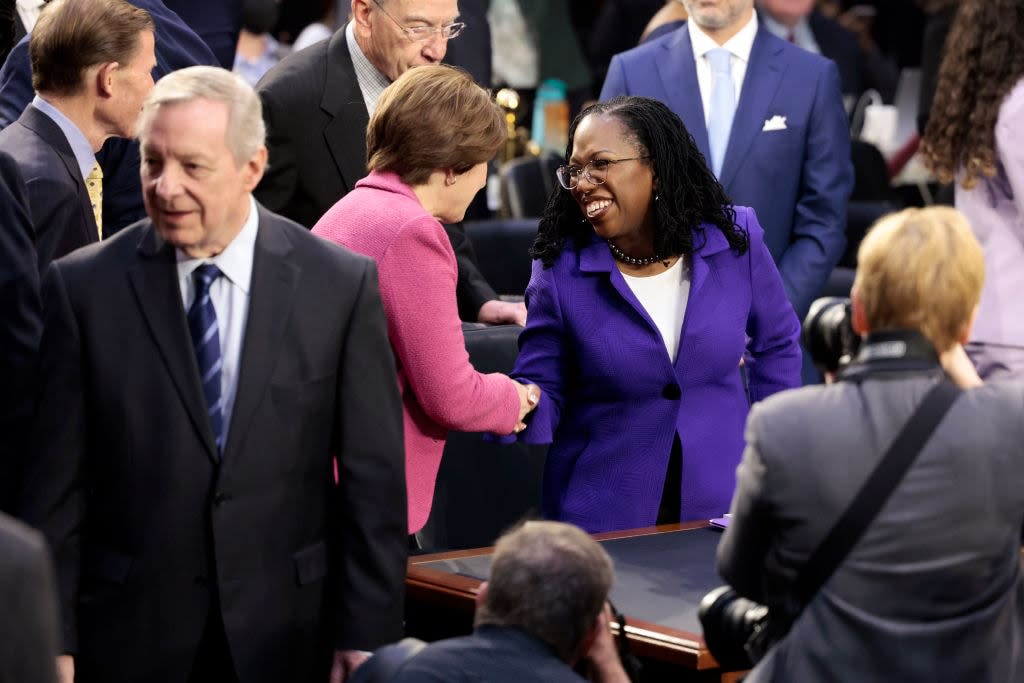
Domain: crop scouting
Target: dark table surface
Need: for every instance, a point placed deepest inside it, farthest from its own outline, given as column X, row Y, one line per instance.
column 659, row 578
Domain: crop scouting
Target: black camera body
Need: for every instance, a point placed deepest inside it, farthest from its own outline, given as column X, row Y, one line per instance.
column 828, row 334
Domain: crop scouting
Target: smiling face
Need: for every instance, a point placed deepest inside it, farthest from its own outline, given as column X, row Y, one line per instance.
column 378, row 29
column 195, row 192
column 621, row 209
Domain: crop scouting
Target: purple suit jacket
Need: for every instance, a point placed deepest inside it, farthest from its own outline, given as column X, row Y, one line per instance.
column 613, row 400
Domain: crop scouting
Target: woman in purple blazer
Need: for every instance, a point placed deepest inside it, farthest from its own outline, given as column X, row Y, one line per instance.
column 648, row 289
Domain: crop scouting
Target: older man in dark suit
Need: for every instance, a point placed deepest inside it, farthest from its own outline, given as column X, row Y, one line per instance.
column 317, row 103
column 218, row 456
column 92, row 63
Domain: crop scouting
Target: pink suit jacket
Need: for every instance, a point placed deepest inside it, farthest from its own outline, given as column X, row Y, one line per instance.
column 441, row 391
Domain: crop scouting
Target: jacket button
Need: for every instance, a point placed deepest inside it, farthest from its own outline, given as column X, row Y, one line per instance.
column 220, row 498
column 671, row 392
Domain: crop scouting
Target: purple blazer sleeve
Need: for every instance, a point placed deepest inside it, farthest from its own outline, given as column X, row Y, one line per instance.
column 549, row 360
column 773, row 327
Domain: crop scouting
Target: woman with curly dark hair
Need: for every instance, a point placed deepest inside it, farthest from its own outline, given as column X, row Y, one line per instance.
column 974, row 138
column 648, row 288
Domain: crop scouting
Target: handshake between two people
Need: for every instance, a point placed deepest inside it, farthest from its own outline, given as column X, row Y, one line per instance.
column 529, row 397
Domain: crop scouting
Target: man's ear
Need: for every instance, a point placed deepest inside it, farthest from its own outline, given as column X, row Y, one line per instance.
column 253, row 169
column 361, row 14
column 859, row 319
column 104, row 78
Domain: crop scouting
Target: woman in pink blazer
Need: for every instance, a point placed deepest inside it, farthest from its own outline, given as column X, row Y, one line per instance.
column 428, row 144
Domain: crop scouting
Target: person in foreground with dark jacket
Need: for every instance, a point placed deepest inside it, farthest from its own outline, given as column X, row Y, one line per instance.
column 543, row 610
column 933, row 590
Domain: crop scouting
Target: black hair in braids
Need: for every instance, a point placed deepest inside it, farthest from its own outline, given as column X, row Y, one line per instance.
column 688, row 193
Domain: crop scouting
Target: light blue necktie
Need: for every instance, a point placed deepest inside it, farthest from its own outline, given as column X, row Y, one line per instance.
column 202, row 325
column 723, row 106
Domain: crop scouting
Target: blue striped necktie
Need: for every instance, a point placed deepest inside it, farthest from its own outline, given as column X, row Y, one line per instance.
column 202, row 325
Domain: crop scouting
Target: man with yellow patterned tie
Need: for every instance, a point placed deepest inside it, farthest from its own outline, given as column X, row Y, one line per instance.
column 91, row 69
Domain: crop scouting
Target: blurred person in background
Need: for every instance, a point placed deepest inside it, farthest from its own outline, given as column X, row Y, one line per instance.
column 973, row 138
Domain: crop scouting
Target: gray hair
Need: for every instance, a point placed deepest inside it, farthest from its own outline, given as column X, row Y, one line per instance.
column 246, row 130
column 550, row 579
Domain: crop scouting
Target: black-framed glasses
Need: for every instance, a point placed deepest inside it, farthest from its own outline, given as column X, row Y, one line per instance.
column 421, row 34
column 595, row 172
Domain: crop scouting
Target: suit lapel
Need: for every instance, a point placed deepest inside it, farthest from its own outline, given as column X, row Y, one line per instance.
column 678, row 73
column 153, row 279
column 275, row 279
column 764, row 73
column 50, row 133
column 345, row 134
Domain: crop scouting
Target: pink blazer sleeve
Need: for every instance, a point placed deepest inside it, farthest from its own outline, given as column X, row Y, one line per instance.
column 417, row 281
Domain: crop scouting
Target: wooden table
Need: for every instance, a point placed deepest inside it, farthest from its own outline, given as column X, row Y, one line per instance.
column 661, row 573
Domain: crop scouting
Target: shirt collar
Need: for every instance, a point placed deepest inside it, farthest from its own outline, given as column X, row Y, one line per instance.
column 739, row 45
column 80, row 147
column 371, row 81
column 803, row 36
column 235, row 262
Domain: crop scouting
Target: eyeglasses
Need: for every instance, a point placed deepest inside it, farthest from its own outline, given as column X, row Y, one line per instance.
column 421, row 34
column 595, row 172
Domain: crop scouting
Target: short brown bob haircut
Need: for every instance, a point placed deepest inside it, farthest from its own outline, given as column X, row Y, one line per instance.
column 920, row 269
column 73, row 35
column 433, row 117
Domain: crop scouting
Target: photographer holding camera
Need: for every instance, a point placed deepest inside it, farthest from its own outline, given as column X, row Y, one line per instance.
column 932, row 590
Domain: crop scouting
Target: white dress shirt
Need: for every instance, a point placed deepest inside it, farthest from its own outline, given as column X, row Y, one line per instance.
column 739, row 45
column 230, row 296
column 28, row 12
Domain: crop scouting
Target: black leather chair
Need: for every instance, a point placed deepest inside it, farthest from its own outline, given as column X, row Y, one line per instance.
column 861, row 215
column 502, row 248
column 483, row 488
column 526, row 183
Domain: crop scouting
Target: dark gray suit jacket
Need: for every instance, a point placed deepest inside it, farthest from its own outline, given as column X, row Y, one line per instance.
column 933, row 591
column 58, row 203
column 316, row 136
column 148, row 528
column 28, row 629
column 21, row 313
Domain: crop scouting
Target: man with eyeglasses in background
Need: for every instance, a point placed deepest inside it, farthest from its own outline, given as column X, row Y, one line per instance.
column 317, row 103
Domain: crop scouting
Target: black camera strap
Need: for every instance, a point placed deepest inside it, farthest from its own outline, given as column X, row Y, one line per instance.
column 874, row 493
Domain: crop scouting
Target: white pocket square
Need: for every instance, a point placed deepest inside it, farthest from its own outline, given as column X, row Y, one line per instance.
column 775, row 123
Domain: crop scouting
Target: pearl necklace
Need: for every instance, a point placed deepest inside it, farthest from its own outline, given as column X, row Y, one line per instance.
column 625, row 258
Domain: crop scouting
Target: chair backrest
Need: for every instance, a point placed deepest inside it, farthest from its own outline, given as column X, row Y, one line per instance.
column 861, row 215
column 484, row 488
column 502, row 248
column 526, row 183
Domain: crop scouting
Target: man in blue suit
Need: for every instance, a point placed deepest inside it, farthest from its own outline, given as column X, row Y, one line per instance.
column 787, row 150
column 177, row 46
